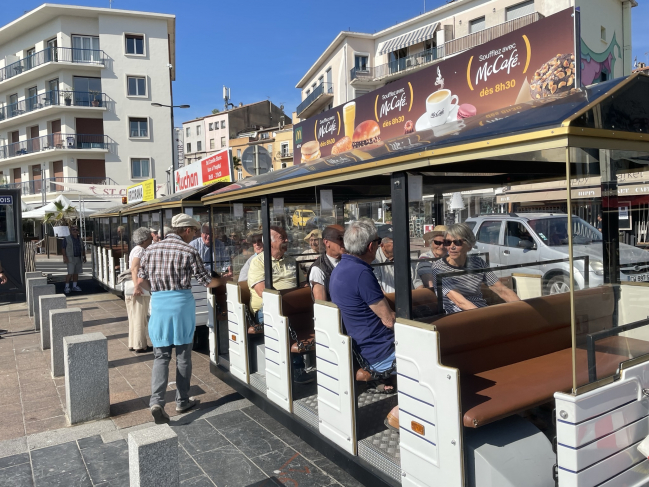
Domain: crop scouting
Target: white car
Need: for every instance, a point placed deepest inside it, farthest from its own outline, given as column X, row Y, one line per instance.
column 532, row 238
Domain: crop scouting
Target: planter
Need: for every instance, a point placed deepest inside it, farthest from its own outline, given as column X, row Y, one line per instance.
column 95, row 103
column 61, row 231
column 68, row 102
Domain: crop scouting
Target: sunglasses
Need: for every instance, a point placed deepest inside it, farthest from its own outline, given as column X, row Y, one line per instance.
column 457, row 243
column 377, row 240
column 258, row 242
column 439, row 243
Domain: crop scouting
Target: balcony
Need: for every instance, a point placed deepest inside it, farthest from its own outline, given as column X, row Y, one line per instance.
column 18, row 72
column 320, row 97
column 51, row 99
column 398, row 68
column 53, row 185
column 55, row 142
column 284, row 155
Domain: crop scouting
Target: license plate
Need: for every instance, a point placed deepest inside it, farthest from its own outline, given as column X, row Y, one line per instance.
column 639, row 278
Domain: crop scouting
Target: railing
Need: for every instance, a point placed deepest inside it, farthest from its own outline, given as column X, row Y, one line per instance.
column 321, row 89
column 53, row 185
column 284, row 154
column 52, row 98
column 54, row 141
column 419, row 59
column 53, row 54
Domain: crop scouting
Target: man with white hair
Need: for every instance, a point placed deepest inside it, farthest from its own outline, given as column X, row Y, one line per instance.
column 218, row 261
column 385, row 256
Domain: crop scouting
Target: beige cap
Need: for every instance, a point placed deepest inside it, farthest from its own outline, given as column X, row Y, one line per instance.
column 182, row 220
column 313, row 233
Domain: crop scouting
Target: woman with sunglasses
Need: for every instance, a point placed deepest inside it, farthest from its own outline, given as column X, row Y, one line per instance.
column 462, row 292
column 435, row 240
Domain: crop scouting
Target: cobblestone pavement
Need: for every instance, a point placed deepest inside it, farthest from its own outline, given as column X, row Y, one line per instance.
column 226, row 441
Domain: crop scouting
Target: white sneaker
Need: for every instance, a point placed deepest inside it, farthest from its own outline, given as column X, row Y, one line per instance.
column 76, row 289
column 66, row 290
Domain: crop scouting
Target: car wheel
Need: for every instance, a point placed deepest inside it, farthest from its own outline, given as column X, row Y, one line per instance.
column 558, row 285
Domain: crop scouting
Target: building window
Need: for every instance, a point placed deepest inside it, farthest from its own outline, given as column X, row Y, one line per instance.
column 360, row 63
column 321, row 79
column 602, row 33
column 189, row 146
column 199, row 146
column 140, row 169
column 85, row 49
column 270, row 148
column 139, row 127
column 188, row 131
column 476, row 25
column 519, row 10
column 222, row 142
column 136, row 85
column 284, row 149
column 198, row 130
column 134, row 44
column 239, row 174
column 212, row 144
column 222, row 124
column 358, row 93
column 307, row 92
column 239, row 154
column 283, row 165
column 211, row 127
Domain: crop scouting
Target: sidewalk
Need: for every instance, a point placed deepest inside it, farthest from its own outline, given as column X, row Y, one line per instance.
column 225, row 441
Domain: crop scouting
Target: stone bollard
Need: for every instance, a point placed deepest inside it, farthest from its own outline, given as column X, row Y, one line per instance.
column 86, row 377
column 29, row 284
column 153, row 457
column 37, row 292
column 63, row 323
column 47, row 304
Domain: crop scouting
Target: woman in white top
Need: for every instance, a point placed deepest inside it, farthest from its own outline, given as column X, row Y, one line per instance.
column 137, row 304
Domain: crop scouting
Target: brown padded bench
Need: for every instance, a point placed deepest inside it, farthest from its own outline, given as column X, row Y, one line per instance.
column 297, row 306
column 515, row 356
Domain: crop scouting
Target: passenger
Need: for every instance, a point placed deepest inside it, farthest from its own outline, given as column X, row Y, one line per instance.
column 155, row 235
column 385, row 253
column 220, row 260
column 320, row 271
column 137, row 304
column 365, row 311
column 463, row 292
column 314, row 238
column 435, row 240
column 257, row 247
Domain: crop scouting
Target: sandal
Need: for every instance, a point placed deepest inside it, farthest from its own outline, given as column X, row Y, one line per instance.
column 381, row 387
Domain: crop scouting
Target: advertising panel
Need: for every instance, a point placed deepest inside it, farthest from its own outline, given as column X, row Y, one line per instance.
column 188, row 177
column 217, row 168
column 144, row 191
column 532, row 63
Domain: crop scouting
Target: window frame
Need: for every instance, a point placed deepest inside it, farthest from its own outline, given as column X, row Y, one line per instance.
column 486, row 222
column 222, row 124
column 211, row 127
column 367, row 62
column 188, row 131
column 199, row 146
column 148, row 127
column 140, row 178
column 223, row 142
column 473, row 22
column 189, row 148
column 212, row 144
column 198, row 130
column 146, row 87
column 126, row 35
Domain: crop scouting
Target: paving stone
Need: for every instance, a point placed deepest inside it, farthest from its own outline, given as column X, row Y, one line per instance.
column 252, row 439
column 57, row 460
column 86, row 377
column 228, row 467
column 30, row 283
column 17, row 476
column 199, row 437
column 47, row 303
column 106, row 461
column 201, row 481
column 188, row 467
column 291, row 468
column 63, row 323
column 14, row 460
column 36, row 293
column 228, row 420
column 153, row 457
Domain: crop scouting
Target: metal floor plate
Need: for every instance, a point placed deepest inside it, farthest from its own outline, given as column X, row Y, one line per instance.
column 258, row 381
column 307, row 409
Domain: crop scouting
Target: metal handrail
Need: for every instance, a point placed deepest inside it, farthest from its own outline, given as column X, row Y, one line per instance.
column 53, row 54
column 440, row 293
column 52, row 98
column 55, row 141
column 321, row 89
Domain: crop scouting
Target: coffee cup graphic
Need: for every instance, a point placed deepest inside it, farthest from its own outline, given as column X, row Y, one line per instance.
column 439, row 105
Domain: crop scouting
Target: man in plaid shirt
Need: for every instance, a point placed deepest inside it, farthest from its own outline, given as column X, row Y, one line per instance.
column 166, row 268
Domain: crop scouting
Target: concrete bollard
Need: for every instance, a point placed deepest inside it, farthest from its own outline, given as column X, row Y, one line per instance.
column 29, row 284
column 153, row 457
column 47, row 304
column 63, row 323
column 86, row 377
column 37, row 292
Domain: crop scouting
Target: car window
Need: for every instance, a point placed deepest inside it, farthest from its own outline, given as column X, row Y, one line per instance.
column 471, row 225
column 489, row 233
column 515, row 232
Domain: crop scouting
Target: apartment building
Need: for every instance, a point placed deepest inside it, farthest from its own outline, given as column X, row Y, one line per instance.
column 212, row 133
column 274, row 151
column 356, row 63
column 76, row 87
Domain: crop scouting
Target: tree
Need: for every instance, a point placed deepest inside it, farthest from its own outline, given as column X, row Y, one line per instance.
column 215, row 111
column 236, row 162
column 62, row 216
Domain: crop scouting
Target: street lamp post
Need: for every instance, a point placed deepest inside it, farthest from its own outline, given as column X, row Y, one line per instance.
column 173, row 136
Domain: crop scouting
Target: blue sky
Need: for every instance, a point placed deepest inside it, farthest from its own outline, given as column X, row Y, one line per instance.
column 261, row 49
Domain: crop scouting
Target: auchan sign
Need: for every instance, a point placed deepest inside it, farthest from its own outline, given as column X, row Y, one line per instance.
column 212, row 169
column 188, row 177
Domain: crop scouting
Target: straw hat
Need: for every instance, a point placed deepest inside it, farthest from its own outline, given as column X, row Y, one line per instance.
column 313, row 234
column 439, row 230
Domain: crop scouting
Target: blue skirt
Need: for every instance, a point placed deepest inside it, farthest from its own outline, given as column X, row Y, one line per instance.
column 173, row 318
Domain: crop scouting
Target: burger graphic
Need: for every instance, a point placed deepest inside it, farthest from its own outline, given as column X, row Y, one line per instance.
column 366, row 133
column 310, row 151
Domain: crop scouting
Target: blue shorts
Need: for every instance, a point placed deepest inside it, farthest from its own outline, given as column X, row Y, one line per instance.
column 384, row 364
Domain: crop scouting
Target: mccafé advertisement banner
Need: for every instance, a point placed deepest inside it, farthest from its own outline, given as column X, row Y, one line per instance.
column 212, row 169
column 533, row 63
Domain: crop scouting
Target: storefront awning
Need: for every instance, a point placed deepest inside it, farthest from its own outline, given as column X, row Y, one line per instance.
column 410, row 39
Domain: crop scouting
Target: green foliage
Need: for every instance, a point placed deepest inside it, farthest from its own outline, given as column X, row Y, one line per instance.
column 62, row 216
column 215, row 111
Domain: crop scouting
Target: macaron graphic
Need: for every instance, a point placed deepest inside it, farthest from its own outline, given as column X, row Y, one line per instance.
column 466, row 110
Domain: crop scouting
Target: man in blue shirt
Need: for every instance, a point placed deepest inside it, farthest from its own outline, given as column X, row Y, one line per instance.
column 366, row 314
column 220, row 261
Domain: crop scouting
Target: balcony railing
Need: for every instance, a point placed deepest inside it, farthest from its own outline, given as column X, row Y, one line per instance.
column 284, row 154
column 52, row 98
column 53, row 185
column 419, row 59
column 321, row 89
column 54, row 141
column 53, row 54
